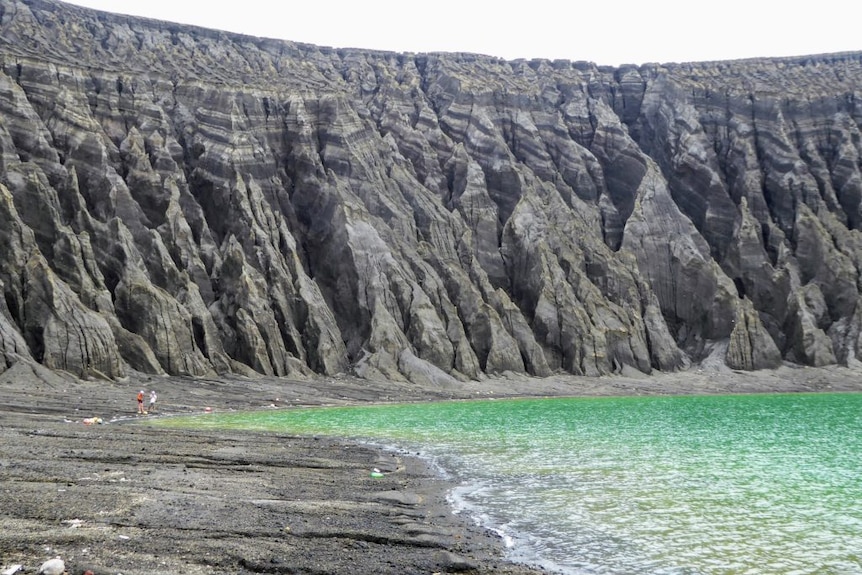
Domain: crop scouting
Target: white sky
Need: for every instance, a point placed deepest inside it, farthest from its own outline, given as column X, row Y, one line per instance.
column 601, row 31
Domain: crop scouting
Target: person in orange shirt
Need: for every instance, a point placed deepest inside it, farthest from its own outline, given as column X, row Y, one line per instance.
column 141, row 402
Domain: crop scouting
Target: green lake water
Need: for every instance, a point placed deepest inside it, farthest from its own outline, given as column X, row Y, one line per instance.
column 749, row 484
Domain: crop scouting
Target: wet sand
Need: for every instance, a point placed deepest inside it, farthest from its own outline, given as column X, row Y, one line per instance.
column 125, row 497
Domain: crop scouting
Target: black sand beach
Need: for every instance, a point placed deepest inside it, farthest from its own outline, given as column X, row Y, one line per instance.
column 121, row 497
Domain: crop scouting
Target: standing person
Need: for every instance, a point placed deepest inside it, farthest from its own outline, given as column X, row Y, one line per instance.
column 153, row 398
column 141, row 402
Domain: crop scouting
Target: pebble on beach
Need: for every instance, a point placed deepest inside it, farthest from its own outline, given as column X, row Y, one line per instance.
column 54, row 566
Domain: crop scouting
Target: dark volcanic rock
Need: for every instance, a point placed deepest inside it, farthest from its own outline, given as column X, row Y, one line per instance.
column 187, row 201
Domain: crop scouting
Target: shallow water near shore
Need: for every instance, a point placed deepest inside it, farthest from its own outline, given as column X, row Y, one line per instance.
column 742, row 484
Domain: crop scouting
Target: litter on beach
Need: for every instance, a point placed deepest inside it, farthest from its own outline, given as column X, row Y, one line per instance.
column 12, row 569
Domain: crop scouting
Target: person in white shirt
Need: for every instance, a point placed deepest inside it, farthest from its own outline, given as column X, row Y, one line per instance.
column 153, row 398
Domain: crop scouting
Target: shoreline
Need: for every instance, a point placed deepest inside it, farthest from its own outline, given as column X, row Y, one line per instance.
column 138, row 499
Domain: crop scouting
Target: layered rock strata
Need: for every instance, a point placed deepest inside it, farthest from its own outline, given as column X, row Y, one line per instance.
column 186, row 201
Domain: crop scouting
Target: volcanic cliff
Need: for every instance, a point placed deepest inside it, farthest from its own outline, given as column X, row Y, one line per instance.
column 187, row 201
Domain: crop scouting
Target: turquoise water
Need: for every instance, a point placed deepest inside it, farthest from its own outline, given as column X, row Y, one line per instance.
column 752, row 484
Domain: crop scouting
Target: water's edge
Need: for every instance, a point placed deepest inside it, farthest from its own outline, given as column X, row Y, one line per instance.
column 615, row 477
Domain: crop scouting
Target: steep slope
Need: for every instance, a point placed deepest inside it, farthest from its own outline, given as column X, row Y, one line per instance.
column 187, row 201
